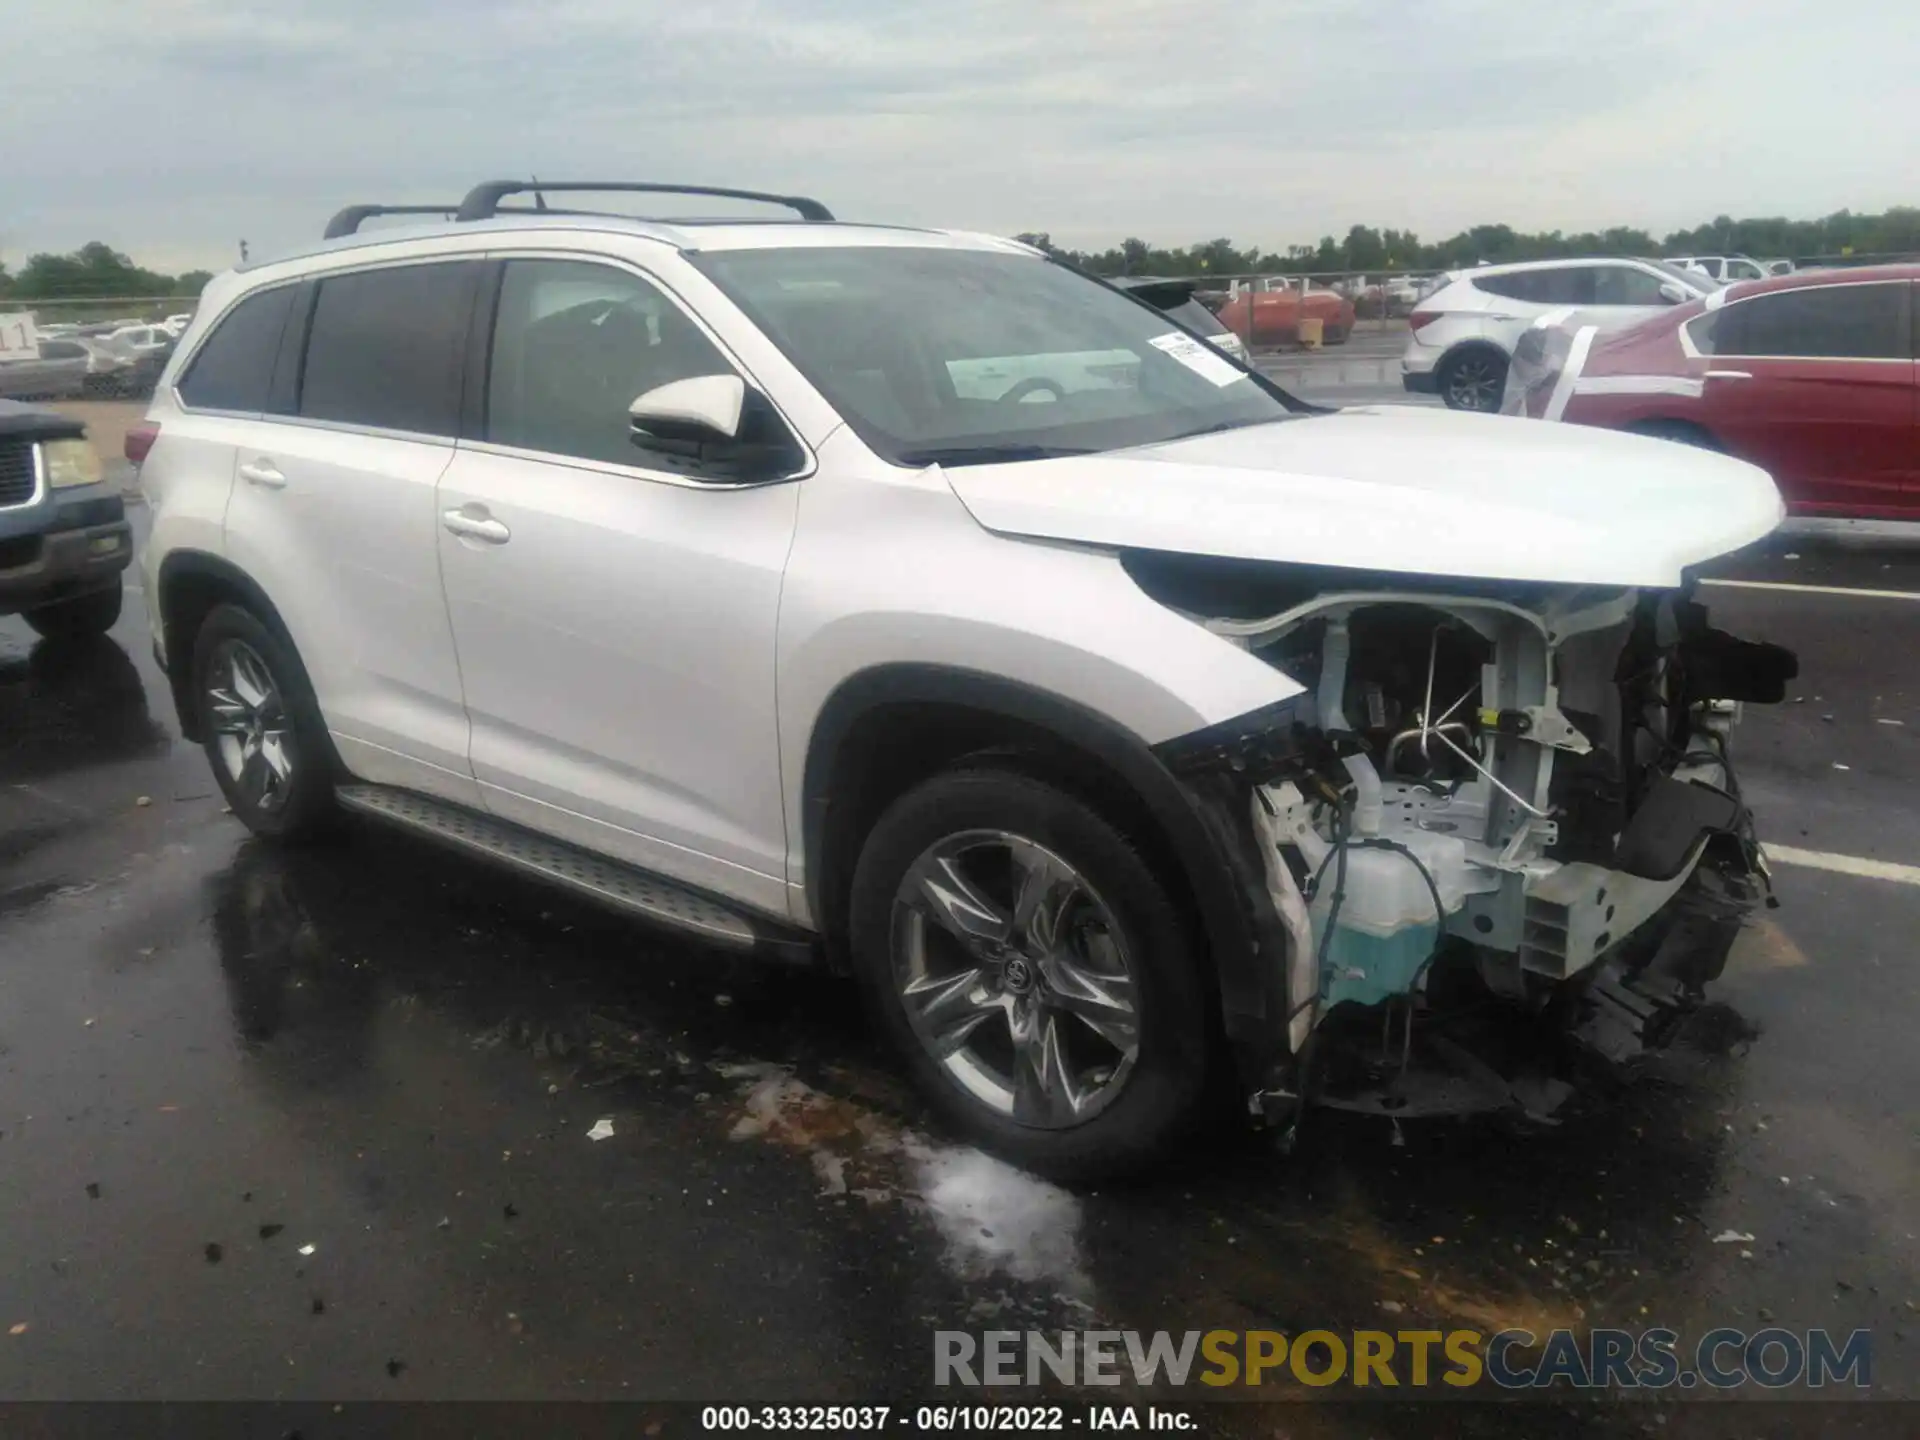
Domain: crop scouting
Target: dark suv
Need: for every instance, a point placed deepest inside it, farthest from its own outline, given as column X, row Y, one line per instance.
column 64, row 537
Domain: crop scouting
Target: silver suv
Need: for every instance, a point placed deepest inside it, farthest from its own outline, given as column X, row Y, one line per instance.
column 908, row 603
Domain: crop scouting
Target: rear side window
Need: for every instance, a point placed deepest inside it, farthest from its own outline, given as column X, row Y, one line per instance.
column 1863, row 322
column 1524, row 286
column 1626, row 285
column 235, row 363
column 384, row 348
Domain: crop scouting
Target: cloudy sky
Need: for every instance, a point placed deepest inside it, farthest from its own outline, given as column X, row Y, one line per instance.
column 173, row 127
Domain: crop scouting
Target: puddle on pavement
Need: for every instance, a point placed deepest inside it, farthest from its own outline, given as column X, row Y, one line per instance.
column 1460, row 1222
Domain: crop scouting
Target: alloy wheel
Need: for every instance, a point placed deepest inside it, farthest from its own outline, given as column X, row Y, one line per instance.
column 1016, row 978
column 250, row 725
column 1473, row 383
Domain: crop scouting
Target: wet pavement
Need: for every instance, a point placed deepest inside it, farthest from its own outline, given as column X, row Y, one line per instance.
column 317, row 1124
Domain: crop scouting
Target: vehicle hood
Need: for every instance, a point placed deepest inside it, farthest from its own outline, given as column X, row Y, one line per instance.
column 1398, row 488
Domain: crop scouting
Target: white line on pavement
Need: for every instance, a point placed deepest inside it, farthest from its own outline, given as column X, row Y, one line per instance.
column 1843, row 864
column 1815, row 589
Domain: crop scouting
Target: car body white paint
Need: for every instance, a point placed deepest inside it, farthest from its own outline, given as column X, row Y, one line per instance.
column 1395, row 488
column 642, row 669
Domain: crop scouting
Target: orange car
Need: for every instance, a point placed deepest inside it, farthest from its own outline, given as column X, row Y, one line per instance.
column 1276, row 314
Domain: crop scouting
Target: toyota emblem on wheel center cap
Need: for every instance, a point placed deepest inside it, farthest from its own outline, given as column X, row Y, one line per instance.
column 1017, row 975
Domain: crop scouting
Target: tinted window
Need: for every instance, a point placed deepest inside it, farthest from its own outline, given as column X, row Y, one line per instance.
column 1840, row 321
column 573, row 346
column 1524, row 286
column 383, row 348
column 1625, row 285
column 1704, row 331
column 235, row 363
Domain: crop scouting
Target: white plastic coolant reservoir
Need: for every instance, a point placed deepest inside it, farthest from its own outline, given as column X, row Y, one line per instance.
column 1387, row 927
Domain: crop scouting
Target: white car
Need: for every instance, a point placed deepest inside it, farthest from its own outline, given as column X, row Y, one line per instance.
column 1093, row 733
column 136, row 340
column 1463, row 331
column 175, row 325
column 1726, row 269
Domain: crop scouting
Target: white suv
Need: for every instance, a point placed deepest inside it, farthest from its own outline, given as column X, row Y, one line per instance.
column 1124, row 717
column 1464, row 331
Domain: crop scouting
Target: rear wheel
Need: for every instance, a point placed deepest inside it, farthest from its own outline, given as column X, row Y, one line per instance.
column 1033, row 971
column 1473, row 379
column 264, row 738
column 80, row 618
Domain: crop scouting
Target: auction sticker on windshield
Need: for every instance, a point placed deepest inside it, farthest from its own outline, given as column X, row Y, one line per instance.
column 1199, row 357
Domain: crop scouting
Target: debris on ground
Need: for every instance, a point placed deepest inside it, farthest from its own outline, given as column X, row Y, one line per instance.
column 602, row 1129
column 394, row 1367
column 144, row 801
column 19, row 1329
column 93, row 1190
column 1732, row 1237
column 213, row 1252
column 306, row 1249
column 267, row 1232
column 319, row 1306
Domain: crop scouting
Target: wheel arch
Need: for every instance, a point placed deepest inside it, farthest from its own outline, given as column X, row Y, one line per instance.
column 887, row 728
column 192, row 583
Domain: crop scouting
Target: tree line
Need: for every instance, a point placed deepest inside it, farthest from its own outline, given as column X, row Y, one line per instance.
column 1842, row 234
column 95, row 269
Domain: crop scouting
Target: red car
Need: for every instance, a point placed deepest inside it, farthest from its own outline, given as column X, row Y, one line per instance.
column 1810, row 376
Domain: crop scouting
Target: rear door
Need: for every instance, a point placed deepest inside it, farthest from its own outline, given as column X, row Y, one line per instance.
column 1816, row 385
column 333, row 511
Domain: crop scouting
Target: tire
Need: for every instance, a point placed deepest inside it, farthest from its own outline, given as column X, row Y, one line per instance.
column 1472, row 379
column 1108, row 962
column 80, row 618
column 1337, row 335
column 264, row 738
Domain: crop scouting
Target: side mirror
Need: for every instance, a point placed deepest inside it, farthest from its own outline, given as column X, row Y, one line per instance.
column 1673, row 294
column 712, row 427
column 696, row 411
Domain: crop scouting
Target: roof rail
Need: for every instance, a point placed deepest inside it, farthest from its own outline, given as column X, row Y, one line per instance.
column 348, row 221
column 483, row 201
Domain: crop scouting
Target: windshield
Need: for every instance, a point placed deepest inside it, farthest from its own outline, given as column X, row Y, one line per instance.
column 958, row 357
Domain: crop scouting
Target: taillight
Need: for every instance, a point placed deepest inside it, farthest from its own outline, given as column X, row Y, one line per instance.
column 1422, row 317
column 140, row 440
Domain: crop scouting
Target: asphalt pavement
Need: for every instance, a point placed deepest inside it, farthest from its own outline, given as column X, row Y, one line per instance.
column 319, row 1125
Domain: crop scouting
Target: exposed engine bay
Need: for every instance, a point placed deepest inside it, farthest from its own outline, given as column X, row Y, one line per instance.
column 1516, row 796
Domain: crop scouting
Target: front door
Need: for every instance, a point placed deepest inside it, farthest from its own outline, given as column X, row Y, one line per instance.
column 1816, row 386
column 615, row 617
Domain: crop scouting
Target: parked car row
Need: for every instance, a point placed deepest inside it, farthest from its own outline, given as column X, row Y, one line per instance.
column 1811, row 376
column 123, row 363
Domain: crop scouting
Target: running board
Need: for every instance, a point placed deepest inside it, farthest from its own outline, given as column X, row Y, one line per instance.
column 612, row 883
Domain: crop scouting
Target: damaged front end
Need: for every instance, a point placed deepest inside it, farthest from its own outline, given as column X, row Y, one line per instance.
column 1494, row 801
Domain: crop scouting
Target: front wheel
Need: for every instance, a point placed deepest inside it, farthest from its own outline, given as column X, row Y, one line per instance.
column 263, row 734
column 1034, row 972
column 1473, row 380
column 80, row 618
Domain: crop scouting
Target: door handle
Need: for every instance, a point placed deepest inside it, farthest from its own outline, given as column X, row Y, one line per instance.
column 264, row 473
column 476, row 527
column 1729, row 374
